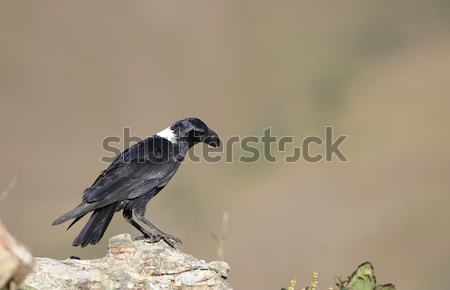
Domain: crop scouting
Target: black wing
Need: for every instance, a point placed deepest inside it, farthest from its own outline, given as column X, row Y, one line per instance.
column 141, row 168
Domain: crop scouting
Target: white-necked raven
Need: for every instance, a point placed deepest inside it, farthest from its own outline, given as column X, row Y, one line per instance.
column 134, row 177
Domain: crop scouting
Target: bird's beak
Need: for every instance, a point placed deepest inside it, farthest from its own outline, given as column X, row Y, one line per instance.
column 212, row 139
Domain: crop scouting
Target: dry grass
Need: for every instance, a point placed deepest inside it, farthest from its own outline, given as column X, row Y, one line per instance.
column 12, row 184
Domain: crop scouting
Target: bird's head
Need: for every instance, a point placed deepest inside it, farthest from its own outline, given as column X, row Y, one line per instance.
column 191, row 131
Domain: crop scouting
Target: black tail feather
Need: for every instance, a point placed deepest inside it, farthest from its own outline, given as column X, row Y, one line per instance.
column 79, row 211
column 74, row 221
column 96, row 226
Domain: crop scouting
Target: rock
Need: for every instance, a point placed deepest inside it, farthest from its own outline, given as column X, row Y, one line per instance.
column 129, row 265
column 15, row 260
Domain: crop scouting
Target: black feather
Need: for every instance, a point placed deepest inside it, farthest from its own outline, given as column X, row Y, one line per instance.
column 94, row 229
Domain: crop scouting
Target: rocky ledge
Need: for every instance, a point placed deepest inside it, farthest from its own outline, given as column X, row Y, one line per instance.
column 129, row 265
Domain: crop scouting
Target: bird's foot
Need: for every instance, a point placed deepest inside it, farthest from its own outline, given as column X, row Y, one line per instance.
column 169, row 239
column 148, row 238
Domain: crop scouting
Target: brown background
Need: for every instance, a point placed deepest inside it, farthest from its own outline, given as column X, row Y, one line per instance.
column 74, row 72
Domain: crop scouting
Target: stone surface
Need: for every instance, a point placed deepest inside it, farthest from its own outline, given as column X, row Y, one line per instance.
column 15, row 259
column 129, row 265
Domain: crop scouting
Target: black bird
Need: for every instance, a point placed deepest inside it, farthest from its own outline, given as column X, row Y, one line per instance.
column 133, row 178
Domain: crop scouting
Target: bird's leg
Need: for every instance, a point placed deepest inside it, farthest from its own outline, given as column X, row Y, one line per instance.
column 128, row 215
column 169, row 239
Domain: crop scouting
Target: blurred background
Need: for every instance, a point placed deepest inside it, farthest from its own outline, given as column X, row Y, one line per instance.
column 75, row 72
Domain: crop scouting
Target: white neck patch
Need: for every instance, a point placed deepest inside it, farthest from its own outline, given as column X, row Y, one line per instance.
column 168, row 134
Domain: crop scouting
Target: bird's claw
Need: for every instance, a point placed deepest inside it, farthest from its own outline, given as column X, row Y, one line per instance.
column 148, row 238
column 169, row 239
column 172, row 240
